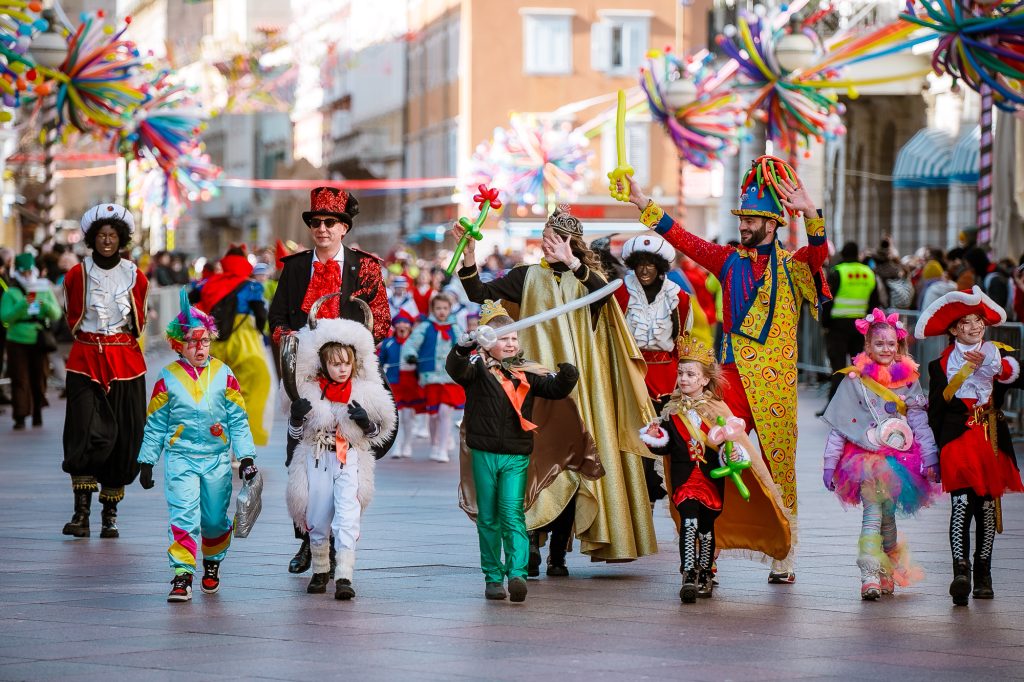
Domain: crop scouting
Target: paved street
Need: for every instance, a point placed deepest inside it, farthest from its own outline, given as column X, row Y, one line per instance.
column 95, row 609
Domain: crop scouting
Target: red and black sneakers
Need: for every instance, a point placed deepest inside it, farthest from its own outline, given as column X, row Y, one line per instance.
column 181, row 588
column 211, row 576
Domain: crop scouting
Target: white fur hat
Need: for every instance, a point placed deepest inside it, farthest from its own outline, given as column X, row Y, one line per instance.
column 104, row 211
column 650, row 243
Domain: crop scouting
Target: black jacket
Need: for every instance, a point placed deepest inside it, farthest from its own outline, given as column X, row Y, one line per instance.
column 490, row 421
column 682, row 465
column 361, row 278
column 948, row 420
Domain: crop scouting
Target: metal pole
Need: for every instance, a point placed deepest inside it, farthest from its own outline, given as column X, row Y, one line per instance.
column 984, row 205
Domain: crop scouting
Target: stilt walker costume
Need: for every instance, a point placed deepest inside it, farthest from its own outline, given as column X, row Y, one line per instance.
column 498, row 431
column 878, row 454
column 332, row 431
column 237, row 306
column 105, row 301
column 764, row 288
column 612, row 516
column 976, row 456
column 197, row 417
column 711, row 514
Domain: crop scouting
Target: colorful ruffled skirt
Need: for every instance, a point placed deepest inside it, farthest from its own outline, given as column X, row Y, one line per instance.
column 896, row 475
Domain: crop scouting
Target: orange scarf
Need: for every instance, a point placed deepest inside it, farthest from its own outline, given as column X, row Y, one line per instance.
column 516, row 394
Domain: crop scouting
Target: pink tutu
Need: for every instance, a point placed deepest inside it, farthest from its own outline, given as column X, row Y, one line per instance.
column 896, row 475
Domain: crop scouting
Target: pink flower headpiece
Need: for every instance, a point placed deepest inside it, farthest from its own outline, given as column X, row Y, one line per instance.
column 878, row 317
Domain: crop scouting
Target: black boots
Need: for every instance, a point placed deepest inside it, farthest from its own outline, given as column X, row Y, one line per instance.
column 960, row 588
column 983, row 579
column 302, row 560
column 109, row 520
column 533, row 564
column 705, row 584
column 318, row 583
column 343, row 590
column 78, row 526
column 688, row 592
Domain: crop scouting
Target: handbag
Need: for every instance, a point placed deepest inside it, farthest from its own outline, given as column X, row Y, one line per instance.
column 46, row 342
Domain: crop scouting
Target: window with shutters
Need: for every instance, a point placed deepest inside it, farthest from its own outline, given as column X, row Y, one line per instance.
column 547, row 42
column 638, row 149
column 618, row 42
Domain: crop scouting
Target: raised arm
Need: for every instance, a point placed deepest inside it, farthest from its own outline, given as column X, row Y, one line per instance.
column 508, row 288
column 708, row 255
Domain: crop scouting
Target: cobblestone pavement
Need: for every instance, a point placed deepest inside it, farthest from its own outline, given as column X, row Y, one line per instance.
column 95, row 609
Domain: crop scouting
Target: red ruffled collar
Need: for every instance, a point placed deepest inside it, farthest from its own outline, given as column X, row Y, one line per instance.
column 901, row 372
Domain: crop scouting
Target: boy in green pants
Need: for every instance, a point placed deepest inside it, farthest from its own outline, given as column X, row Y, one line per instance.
column 500, row 388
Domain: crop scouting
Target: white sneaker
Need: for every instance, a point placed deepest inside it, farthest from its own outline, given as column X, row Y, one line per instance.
column 438, row 456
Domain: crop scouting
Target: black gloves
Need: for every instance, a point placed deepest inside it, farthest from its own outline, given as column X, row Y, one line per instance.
column 290, row 450
column 357, row 413
column 568, row 372
column 247, row 469
column 146, row 476
column 300, row 408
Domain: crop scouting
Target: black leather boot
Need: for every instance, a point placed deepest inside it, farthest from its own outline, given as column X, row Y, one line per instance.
column 705, row 584
column 318, row 583
column 78, row 526
column 533, row 563
column 983, row 579
column 302, row 560
column 109, row 519
column 688, row 592
column 960, row 588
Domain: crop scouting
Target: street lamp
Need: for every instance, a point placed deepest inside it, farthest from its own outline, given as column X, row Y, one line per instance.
column 49, row 49
column 795, row 51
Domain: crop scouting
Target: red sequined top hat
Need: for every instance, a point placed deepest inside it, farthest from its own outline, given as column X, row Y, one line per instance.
column 330, row 201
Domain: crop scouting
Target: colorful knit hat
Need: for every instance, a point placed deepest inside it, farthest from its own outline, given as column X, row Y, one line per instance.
column 762, row 187
column 188, row 319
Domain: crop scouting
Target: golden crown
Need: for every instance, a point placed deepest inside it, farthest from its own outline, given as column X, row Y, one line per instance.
column 490, row 310
column 692, row 349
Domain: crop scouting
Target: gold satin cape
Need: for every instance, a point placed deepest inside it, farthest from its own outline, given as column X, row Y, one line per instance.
column 560, row 443
column 613, row 514
column 761, row 528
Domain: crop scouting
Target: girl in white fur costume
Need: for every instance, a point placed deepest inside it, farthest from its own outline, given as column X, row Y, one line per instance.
column 343, row 409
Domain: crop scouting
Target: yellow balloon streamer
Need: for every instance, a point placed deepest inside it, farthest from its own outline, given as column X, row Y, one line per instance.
column 623, row 170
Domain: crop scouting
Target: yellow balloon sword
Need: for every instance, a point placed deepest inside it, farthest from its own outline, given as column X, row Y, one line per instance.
column 623, row 169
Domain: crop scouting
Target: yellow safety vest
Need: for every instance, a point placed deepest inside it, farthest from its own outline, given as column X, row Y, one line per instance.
column 856, row 282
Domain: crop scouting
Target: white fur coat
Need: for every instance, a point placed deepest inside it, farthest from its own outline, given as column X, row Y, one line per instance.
column 367, row 390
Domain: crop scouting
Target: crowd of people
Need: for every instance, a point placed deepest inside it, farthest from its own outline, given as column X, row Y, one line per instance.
column 575, row 391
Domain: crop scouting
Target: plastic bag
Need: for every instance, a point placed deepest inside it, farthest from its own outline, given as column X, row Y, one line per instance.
column 248, row 505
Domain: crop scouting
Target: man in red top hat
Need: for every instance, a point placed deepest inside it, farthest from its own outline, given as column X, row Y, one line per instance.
column 328, row 268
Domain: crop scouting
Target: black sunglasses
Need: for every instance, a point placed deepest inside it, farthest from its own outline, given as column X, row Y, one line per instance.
column 326, row 222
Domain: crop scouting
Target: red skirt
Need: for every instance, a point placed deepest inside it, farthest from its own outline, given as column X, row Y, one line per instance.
column 968, row 462
column 436, row 395
column 408, row 392
column 698, row 487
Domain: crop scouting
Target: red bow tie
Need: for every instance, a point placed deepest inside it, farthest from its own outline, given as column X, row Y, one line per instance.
column 326, row 279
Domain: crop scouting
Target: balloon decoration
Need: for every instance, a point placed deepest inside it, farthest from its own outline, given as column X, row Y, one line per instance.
column 94, row 86
column 18, row 21
column 165, row 126
column 485, row 199
column 723, row 434
column 702, row 130
column 768, row 172
column 980, row 44
column 793, row 113
column 536, row 160
column 251, row 86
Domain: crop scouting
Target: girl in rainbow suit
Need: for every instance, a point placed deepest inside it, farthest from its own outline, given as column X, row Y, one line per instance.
column 880, row 452
column 197, row 416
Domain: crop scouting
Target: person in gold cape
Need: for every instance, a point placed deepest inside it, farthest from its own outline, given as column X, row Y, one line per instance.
column 612, row 516
column 711, row 513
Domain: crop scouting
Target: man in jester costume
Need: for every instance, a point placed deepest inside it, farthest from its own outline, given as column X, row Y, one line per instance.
column 764, row 287
column 197, row 416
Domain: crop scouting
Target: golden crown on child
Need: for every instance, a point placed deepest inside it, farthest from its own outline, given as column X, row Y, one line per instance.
column 490, row 310
column 692, row 349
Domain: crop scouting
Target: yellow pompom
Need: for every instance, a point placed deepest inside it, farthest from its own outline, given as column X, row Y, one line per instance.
column 852, row 93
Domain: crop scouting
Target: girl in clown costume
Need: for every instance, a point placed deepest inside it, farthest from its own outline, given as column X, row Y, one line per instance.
column 880, row 452
column 197, row 416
